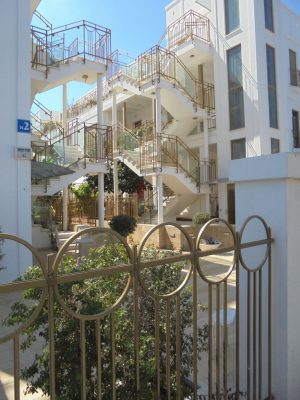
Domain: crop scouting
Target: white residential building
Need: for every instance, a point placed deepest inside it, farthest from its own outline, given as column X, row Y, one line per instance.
column 222, row 84
column 36, row 59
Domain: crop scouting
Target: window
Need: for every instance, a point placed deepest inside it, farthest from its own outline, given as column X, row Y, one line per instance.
column 272, row 91
column 295, row 123
column 232, row 15
column 275, row 146
column 293, row 68
column 269, row 18
column 238, row 149
column 235, row 88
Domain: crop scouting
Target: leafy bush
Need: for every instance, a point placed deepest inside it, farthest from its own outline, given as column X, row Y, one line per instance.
column 123, row 224
column 200, row 218
column 93, row 296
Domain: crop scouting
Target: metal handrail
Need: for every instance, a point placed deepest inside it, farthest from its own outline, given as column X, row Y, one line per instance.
column 95, row 44
column 154, row 154
column 189, row 26
column 43, row 19
column 157, row 63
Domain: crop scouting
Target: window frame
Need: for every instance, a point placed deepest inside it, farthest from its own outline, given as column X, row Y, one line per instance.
column 227, row 17
column 273, row 140
column 234, row 89
column 272, row 85
column 236, row 141
column 269, row 11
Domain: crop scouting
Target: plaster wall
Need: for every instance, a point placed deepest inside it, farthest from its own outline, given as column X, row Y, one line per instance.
column 15, row 199
column 273, row 185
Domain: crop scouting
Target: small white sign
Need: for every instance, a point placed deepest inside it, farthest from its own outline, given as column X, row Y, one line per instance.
column 23, row 153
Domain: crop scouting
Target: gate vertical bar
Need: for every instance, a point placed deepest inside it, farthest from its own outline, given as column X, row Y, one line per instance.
column 17, row 367
column 254, row 352
column 113, row 355
column 157, row 348
column 260, row 372
column 248, row 335
column 195, row 332
column 136, row 320
column 168, row 350
column 270, row 318
column 218, row 358
column 51, row 330
column 83, row 359
column 237, row 332
column 225, row 340
column 99, row 366
column 210, row 341
column 178, row 377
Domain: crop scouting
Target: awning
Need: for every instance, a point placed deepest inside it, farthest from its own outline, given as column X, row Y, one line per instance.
column 41, row 170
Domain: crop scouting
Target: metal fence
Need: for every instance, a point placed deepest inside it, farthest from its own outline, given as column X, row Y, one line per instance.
column 146, row 322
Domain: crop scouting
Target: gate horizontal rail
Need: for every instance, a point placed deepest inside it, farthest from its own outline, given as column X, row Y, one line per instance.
column 144, row 331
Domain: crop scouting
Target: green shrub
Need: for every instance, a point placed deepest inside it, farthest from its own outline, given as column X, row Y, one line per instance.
column 123, row 224
column 200, row 218
column 93, row 296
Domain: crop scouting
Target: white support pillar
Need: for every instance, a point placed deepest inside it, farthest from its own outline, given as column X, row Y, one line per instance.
column 101, row 210
column 269, row 186
column 158, row 124
column 101, row 154
column 114, row 118
column 206, row 163
column 116, row 187
column 65, row 126
column 159, row 180
column 160, row 199
column 101, row 151
column 65, row 208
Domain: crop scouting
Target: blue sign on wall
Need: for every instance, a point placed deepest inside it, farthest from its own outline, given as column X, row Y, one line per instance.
column 24, row 126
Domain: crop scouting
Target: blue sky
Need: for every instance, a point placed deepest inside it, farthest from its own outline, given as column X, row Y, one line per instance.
column 136, row 25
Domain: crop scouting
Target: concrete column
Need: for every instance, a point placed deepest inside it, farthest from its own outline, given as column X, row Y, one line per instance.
column 65, row 126
column 101, row 153
column 101, row 210
column 159, row 180
column 65, row 208
column 160, row 206
column 158, row 124
column 116, row 187
column 205, row 172
column 101, row 150
column 114, row 117
column 269, row 186
column 124, row 115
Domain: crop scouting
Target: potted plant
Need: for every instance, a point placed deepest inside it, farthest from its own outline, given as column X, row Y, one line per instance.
column 209, row 244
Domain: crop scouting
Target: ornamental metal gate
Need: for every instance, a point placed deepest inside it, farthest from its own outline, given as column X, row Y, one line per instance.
column 177, row 317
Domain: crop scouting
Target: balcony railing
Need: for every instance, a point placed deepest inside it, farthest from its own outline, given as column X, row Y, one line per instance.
column 83, row 142
column 83, row 39
column 150, row 152
column 159, row 63
column 188, row 27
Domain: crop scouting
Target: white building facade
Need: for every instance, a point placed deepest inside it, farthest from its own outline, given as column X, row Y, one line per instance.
column 246, row 51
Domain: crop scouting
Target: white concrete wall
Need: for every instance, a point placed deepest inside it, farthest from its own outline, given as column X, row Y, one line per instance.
column 15, row 199
column 270, row 187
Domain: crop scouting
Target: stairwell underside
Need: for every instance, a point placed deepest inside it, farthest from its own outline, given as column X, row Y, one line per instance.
column 76, row 69
column 55, row 185
column 173, row 97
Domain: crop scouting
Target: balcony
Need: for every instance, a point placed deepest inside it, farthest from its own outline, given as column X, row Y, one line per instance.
column 187, row 28
column 80, row 40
